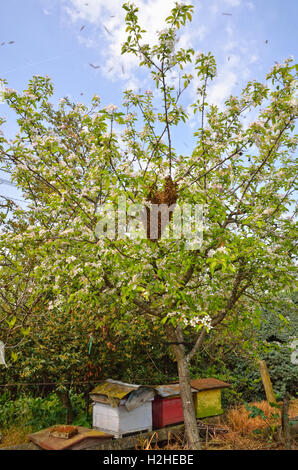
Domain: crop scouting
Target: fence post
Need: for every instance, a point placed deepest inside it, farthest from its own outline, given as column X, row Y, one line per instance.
column 267, row 382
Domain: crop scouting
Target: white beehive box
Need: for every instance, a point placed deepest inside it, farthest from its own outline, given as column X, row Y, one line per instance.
column 118, row 421
column 120, row 408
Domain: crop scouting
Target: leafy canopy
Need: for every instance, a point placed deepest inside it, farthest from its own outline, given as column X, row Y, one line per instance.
column 70, row 160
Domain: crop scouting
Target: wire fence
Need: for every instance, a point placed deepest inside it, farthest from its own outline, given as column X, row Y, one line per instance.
column 32, row 384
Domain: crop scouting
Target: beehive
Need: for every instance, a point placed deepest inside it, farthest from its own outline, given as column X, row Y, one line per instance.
column 207, row 399
column 120, row 408
column 167, row 406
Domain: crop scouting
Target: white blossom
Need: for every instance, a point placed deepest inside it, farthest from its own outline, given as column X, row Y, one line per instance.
column 129, row 117
column 111, row 108
column 30, row 95
column 267, row 211
column 9, row 91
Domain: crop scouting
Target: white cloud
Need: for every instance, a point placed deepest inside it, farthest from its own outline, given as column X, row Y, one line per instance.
column 230, row 45
column 87, row 42
column 107, row 20
column 222, row 87
column 214, row 8
column 220, row 5
column 229, row 30
column 250, row 5
column 201, row 32
column 231, row 3
column 253, row 58
column 105, row 33
column 188, row 38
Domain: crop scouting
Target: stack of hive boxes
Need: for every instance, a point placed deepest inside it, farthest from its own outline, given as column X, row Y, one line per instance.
column 167, row 404
column 121, row 408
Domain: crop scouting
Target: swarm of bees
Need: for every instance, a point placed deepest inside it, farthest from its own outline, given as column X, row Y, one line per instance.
column 167, row 196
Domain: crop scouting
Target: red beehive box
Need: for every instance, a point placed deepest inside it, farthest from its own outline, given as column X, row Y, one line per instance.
column 167, row 406
column 166, row 411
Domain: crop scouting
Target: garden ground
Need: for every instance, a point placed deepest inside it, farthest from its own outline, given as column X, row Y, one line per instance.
column 243, row 432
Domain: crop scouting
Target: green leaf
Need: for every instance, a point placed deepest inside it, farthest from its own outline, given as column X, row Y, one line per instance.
column 11, row 322
column 14, row 356
column 25, row 331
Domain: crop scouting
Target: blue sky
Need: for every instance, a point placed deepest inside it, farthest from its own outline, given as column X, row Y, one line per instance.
column 49, row 40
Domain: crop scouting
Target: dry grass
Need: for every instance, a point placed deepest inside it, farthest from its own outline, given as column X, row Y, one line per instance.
column 14, row 436
column 241, row 428
column 175, row 442
column 238, row 419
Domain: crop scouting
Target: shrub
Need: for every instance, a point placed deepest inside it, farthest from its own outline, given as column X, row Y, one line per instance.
column 38, row 413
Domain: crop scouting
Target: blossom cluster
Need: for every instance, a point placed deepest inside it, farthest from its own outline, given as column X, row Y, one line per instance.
column 196, row 321
column 221, row 249
column 111, row 108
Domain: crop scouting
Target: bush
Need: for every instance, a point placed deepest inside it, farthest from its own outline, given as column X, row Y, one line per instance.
column 39, row 413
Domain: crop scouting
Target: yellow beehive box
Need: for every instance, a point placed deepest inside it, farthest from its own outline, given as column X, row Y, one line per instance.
column 207, row 399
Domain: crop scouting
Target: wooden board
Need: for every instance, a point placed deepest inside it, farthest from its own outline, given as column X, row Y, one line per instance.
column 84, row 438
column 267, row 382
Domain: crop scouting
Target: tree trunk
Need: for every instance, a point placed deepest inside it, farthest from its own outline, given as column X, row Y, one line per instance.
column 66, row 402
column 190, row 422
column 285, row 422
